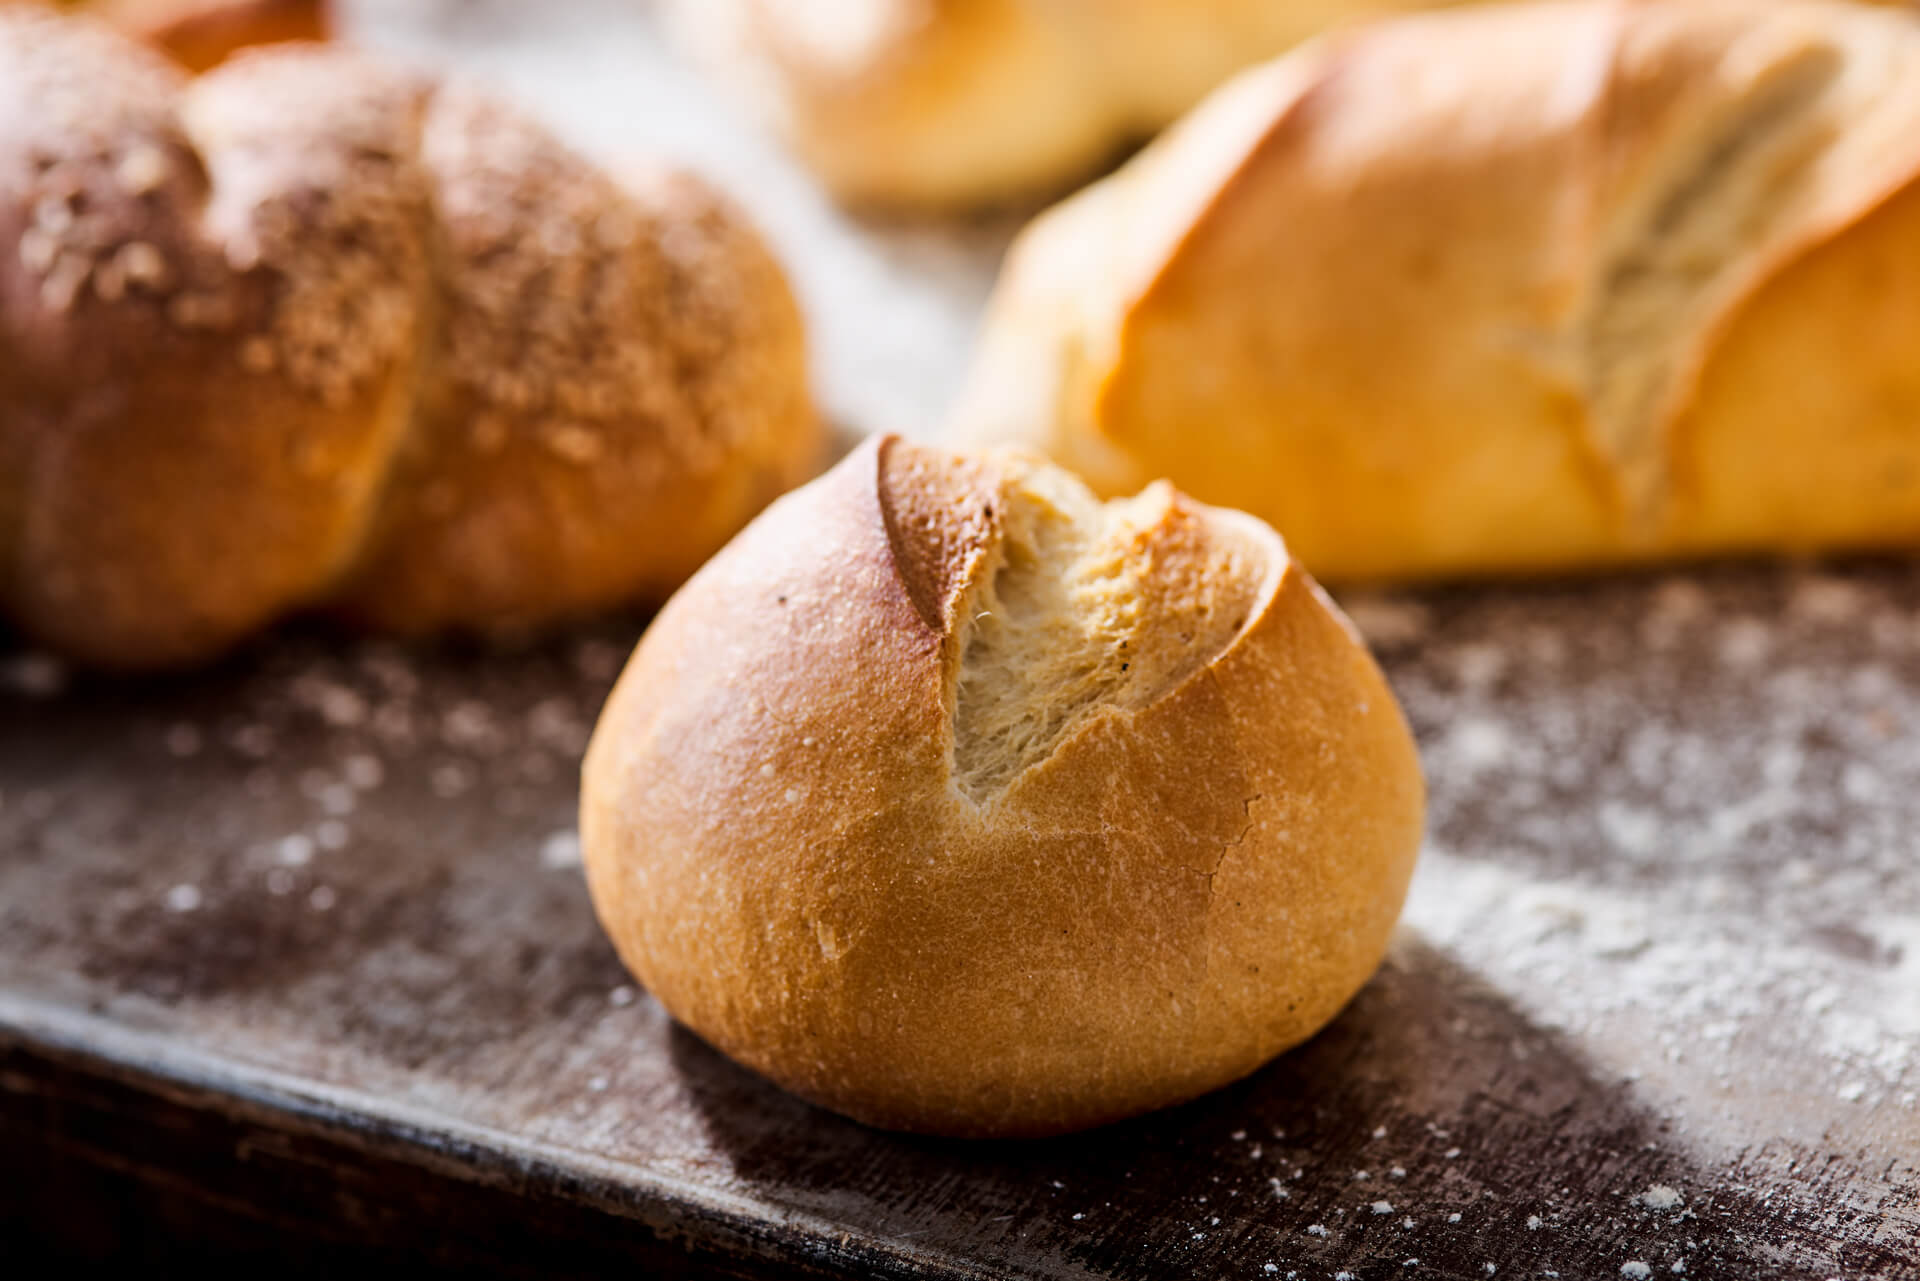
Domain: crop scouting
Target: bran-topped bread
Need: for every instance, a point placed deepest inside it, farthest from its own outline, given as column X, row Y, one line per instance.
column 311, row 332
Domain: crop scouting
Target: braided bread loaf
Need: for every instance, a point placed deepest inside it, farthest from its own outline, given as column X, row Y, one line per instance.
column 310, row 331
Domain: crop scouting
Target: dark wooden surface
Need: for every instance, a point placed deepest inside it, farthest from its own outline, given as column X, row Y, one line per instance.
column 295, row 950
column 296, row 965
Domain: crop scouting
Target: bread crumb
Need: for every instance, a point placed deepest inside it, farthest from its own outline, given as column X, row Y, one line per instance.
column 1383, row 1207
column 142, row 169
column 64, row 282
column 1635, row 1270
column 38, row 250
column 139, row 263
column 561, row 850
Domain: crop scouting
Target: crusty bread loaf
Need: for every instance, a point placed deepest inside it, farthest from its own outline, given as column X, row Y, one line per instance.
column 954, row 800
column 308, row 331
column 964, row 101
column 1510, row 289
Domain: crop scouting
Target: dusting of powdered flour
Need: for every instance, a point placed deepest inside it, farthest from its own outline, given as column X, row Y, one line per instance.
column 1676, row 817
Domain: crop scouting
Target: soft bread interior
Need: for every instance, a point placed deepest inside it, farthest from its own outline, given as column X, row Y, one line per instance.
column 1668, row 271
column 1080, row 609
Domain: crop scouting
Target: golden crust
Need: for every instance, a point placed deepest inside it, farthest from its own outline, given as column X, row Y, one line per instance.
column 936, row 102
column 201, row 34
column 309, row 330
column 1503, row 290
column 1172, row 893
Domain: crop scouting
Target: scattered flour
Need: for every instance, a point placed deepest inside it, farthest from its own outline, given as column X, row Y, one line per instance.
column 1660, row 1197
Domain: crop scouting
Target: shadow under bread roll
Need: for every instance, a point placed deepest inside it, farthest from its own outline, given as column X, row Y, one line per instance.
column 957, row 801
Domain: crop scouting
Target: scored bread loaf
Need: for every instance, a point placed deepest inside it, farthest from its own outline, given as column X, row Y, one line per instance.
column 1510, row 289
column 200, row 34
column 308, row 331
column 965, row 101
column 956, row 801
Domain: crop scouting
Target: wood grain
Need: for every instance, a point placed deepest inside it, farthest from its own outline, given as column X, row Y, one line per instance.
column 409, row 1022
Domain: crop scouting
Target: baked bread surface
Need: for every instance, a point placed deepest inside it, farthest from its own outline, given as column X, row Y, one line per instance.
column 309, row 331
column 939, row 102
column 199, row 34
column 1513, row 289
column 955, row 801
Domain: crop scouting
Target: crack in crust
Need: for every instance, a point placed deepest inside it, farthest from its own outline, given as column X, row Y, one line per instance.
column 1056, row 607
column 1656, row 290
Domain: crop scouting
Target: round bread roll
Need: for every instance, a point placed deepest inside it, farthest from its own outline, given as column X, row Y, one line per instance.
column 957, row 801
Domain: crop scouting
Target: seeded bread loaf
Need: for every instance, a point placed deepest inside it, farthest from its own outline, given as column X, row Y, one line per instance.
column 311, row 332
column 956, row 801
column 963, row 101
column 1510, row 289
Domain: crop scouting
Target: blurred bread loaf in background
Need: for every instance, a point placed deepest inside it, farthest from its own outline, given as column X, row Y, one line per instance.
column 200, row 34
column 1515, row 288
column 309, row 331
column 952, row 799
column 936, row 102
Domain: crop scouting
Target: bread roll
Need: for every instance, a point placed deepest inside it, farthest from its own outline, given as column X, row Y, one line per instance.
column 964, row 101
column 955, row 801
column 311, row 332
column 200, row 34
column 1512, row 289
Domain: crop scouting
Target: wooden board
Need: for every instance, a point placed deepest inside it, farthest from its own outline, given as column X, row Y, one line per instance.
column 295, row 958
